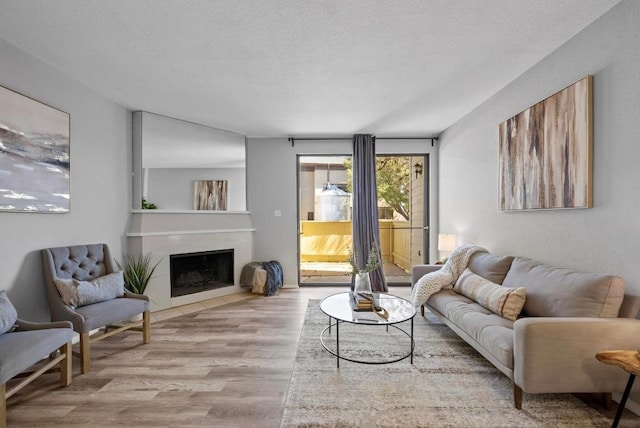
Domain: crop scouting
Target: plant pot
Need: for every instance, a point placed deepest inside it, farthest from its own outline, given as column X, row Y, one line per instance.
column 362, row 283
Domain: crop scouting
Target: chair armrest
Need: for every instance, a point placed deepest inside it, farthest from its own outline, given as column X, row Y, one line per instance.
column 131, row 295
column 62, row 312
column 558, row 354
column 418, row 271
column 23, row 325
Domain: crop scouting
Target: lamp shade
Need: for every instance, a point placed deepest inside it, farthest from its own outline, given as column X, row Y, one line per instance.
column 446, row 242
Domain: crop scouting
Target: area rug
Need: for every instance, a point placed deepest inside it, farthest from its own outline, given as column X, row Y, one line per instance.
column 448, row 385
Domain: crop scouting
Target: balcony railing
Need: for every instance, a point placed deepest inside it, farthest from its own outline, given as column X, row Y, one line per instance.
column 328, row 241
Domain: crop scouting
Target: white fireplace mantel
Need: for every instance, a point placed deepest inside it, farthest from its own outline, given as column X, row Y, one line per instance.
column 163, row 233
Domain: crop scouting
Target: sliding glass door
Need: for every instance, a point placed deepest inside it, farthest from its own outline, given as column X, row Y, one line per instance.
column 324, row 217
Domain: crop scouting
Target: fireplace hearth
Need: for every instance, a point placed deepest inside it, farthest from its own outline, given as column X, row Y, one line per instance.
column 202, row 271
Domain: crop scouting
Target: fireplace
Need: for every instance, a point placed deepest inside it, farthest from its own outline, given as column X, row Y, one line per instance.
column 202, row 271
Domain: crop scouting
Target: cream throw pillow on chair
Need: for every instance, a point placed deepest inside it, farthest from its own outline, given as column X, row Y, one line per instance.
column 77, row 293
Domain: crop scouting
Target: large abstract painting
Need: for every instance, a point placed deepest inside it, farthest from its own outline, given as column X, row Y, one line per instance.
column 34, row 155
column 545, row 152
column 210, row 195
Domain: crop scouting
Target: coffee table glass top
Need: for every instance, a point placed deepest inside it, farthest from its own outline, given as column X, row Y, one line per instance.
column 338, row 306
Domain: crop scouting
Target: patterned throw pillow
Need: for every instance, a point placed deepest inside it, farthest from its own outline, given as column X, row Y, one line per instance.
column 504, row 301
column 8, row 314
column 77, row 293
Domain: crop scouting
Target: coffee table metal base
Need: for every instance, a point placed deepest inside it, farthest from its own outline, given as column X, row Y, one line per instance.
column 339, row 357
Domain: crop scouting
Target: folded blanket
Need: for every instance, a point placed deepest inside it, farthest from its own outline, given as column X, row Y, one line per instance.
column 445, row 277
column 274, row 277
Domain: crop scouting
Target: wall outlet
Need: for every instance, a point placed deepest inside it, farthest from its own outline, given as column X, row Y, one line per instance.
column 277, row 213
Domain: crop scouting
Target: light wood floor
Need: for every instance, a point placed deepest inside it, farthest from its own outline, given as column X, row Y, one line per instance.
column 225, row 366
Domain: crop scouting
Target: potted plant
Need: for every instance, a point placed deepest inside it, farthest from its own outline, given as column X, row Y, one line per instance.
column 362, row 282
column 372, row 263
column 146, row 205
column 137, row 271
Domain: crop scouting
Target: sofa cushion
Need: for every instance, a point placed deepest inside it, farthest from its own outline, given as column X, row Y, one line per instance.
column 78, row 293
column 504, row 301
column 493, row 332
column 558, row 292
column 8, row 314
column 490, row 266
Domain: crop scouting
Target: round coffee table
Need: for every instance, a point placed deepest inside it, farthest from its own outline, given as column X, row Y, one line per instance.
column 338, row 308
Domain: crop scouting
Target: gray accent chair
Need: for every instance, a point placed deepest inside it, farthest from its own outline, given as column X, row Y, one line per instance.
column 86, row 263
column 27, row 344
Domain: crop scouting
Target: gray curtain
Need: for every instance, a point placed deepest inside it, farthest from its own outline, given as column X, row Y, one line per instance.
column 366, row 229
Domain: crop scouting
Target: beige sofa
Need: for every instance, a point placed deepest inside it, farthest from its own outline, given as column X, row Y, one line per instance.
column 567, row 318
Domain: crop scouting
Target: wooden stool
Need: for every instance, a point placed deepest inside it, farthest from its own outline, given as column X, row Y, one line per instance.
column 629, row 361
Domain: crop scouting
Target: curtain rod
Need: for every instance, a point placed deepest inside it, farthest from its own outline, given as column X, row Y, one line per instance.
column 292, row 140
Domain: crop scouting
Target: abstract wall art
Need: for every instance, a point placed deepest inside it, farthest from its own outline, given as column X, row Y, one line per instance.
column 210, row 195
column 545, row 152
column 34, row 155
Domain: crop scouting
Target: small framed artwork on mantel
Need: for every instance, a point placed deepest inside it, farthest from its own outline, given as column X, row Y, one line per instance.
column 545, row 152
column 210, row 195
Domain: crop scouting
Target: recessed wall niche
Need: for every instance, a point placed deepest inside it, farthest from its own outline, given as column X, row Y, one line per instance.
column 171, row 154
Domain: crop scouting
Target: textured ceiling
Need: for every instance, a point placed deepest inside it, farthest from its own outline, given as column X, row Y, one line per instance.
column 297, row 67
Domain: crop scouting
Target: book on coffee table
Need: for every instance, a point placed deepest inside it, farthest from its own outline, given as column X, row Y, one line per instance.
column 361, row 302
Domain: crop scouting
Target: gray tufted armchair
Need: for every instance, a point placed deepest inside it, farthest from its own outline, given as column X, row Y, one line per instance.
column 86, row 263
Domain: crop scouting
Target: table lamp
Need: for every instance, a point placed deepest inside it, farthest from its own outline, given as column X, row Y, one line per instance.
column 446, row 244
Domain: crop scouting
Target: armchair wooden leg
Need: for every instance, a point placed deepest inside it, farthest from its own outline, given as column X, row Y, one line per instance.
column 65, row 365
column 517, row 397
column 85, row 353
column 146, row 327
column 3, row 406
column 422, row 310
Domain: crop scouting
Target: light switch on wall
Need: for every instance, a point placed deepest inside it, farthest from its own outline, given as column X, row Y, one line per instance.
column 277, row 213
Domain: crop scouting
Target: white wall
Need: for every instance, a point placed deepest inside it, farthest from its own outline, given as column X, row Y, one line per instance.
column 601, row 239
column 172, row 188
column 100, row 181
column 271, row 186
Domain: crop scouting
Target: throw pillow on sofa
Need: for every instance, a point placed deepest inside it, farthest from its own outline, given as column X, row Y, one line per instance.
column 490, row 266
column 8, row 314
column 77, row 293
column 504, row 301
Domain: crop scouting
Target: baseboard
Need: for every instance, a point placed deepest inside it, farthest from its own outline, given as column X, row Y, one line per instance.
column 631, row 405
